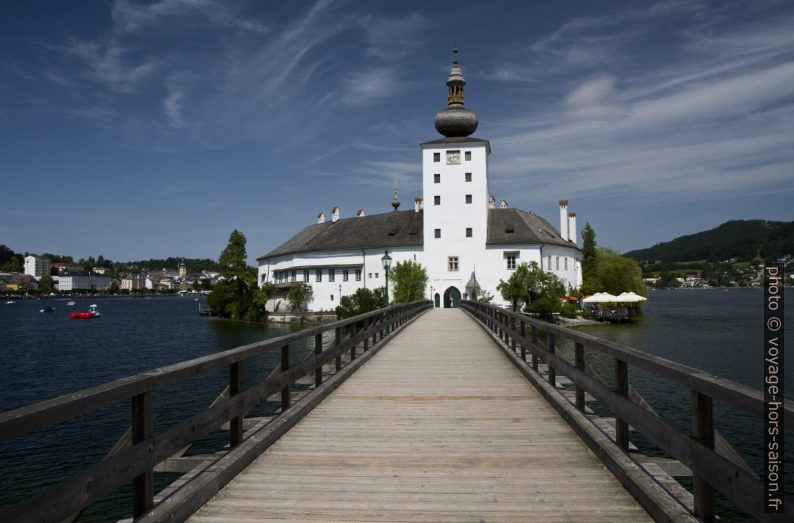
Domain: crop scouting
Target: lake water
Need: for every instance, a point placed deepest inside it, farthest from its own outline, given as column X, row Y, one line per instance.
column 44, row 355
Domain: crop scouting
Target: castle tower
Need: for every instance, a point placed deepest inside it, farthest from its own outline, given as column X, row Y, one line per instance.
column 455, row 190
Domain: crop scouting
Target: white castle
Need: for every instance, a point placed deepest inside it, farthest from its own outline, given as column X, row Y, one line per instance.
column 456, row 231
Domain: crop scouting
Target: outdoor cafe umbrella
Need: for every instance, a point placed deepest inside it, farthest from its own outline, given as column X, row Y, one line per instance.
column 600, row 297
column 630, row 297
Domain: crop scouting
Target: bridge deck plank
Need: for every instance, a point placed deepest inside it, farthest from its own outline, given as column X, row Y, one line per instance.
column 438, row 426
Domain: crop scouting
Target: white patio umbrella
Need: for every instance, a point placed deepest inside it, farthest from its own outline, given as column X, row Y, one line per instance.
column 600, row 297
column 630, row 297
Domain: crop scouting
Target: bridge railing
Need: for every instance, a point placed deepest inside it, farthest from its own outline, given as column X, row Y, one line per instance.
column 710, row 469
column 136, row 463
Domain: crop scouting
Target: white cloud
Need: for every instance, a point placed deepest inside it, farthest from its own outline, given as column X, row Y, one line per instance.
column 393, row 38
column 594, row 98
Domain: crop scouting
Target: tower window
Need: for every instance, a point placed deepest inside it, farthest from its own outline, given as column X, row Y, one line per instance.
column 452, row 263
column 437, row 178
column 468, row 177
column 438, row 233
column 436, row 157
column 468, row 157
column 453, row 157
column 468, row 232
column 468, row 198
column 436, row 200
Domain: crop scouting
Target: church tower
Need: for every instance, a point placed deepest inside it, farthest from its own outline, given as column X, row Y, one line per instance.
column 455, row 192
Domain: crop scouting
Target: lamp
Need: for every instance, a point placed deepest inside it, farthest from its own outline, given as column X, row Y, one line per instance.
column 386, row 260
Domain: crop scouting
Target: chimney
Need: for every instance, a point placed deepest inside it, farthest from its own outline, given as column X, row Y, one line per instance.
column 503, row 204
column 421, row 204
column 321, row 217
column 564, row 219
column 572, row 227
column 360, row 213
column 335, row 214
column 417, row 204
column 491, row 202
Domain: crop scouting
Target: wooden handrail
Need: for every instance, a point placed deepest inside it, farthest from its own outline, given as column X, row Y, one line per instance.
column 136, row 462
column 711, row 470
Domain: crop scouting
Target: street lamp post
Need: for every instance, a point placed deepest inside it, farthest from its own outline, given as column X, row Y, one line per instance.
column 386, row 260
column 340, row 292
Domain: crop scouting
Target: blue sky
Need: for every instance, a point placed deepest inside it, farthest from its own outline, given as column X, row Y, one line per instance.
column 138, row 130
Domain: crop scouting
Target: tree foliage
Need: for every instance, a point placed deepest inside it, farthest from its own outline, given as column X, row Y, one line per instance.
column 233, row 260
column 589, row 258
column 537, row 290
column 409, row 281
column 363, row 300
column 299, row 295
column 46, row 285
column 238, row 297
column 616, row 274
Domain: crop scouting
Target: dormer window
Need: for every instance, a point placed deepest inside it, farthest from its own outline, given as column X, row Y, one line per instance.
column 453, row 157
column 509, row 230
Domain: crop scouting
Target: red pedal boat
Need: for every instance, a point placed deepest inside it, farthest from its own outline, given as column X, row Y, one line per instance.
column 92, row 313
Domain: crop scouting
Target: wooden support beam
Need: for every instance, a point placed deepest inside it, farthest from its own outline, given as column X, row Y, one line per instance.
column 703, row 431
column 285, row 392
column 337, row 341
column 579, row 363
column 142, row 485
column 523, row 345
column 236, row 423
column 318, row 349
column 622, row 388
column 551, row 349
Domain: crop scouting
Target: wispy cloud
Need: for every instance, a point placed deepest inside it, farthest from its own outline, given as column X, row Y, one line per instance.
column 393, row 38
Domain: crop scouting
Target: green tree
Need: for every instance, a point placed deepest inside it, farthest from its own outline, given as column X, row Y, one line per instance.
column 409, row 281
column 484, row 296
column 363, row 300
column 299, row 295
column 114, row 287
column 46, row 285
column 589, row 259
column 225, row 300
column 539, row 291
column 616, row 273
column 233, row 259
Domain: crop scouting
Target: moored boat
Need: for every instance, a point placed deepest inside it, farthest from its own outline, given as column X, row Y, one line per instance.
column 91, row 313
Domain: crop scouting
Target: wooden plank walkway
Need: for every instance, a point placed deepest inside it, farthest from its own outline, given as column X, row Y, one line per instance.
column 438, row 426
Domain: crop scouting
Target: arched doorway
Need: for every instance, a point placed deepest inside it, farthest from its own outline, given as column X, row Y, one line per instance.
column 437, row 300
column 451, row 298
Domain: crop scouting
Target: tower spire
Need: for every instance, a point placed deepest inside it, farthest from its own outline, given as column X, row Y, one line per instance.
column 455, row 81
column 455, row 120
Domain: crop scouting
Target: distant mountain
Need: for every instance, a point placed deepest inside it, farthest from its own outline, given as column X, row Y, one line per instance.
column 740, row 239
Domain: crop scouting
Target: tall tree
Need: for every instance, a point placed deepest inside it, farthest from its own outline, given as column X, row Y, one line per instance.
column 539, row 291
column 410, row 281
column 46, row 284
column 299, row 295
column 590, row 259
column 616, row 273
column 233, row 259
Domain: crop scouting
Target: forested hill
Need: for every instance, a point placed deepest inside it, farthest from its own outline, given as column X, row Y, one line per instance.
column 740, row 239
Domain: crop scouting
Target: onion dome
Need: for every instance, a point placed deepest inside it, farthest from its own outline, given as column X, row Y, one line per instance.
column 456, row 121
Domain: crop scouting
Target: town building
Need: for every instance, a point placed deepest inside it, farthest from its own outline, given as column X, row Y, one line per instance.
column 37, row 266
column 81, row 281
column 133, row 282
column 465, row 241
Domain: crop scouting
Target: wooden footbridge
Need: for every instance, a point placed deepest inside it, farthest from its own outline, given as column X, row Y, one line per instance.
column 413, row 414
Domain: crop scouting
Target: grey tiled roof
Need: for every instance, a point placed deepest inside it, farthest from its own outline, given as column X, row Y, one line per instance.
column 401, row 228
column 526, row 227
column 404, row 228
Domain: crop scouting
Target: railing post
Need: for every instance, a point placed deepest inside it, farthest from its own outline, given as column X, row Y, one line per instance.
column 285, row 392
column 353, row 346
column 513, row 333
column 703, row 431
column 579, row 363
column 523, row 343
column 622, row 388
column 142, row 486
column 337, row 341
column 366, row 338
column 550, row 348
column 534, row 353
column 235, row 424
column 318, row 350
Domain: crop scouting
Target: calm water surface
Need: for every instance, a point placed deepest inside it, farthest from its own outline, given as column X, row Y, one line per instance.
column 45, row 355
